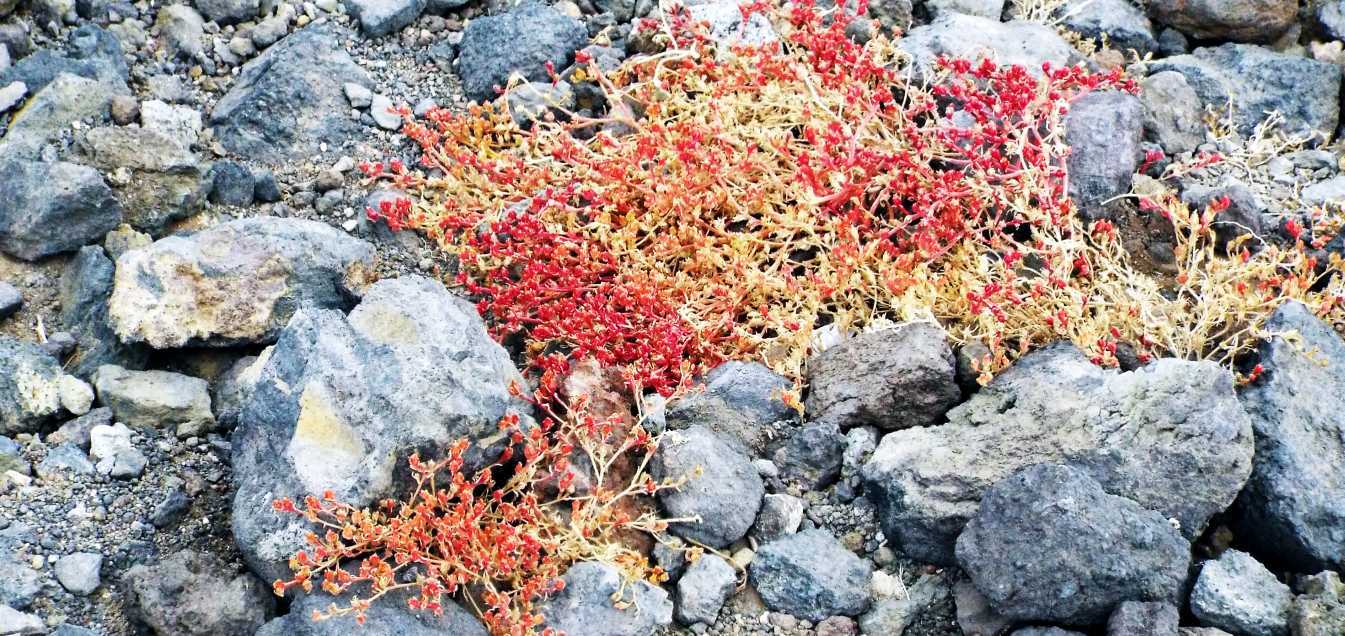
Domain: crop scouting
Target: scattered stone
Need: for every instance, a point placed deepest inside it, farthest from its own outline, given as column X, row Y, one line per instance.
column 12, row 95
column 1259, row 21
column 992, row 9
column 49, row 208
column 586, row 604
column 531, row 101
column 124, row 239
column 62, row 461
column 11, row 457
column 79, row 573
column 727, row 27
column 232, row 184
column 1027, row 44
column 722, row 488
column 161, row 181
column 1328, row 192
column 265, row 188
column 89, row 52
column 703, row 588
column 1103, row 130
column 1237, row 594
column 1173, row 116
column 76, row 431
column 780, row 515
column 156, row 399
column 75, row 394
column 810, row 575
column 11, row 300
column 193, row 593
column 382, row 17
column 358, row 95
column 116, row 456
column 811, row 457
column 16, row 623
column 29, row 387
column 64, row 103
column 1244, row 216
column 381, row 109
column 740, row 400
column 182, row 124
column 171, row 509
column 1134, row 617
column 522, row 40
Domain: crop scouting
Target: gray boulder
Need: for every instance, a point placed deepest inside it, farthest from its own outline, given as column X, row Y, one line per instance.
column 722, row 487
column 288, row 101
column 588, row 604
column 49, row 208
column 811, row 457
column 1048, row 545
column 229, row 11
column 1320, row 608
column 382, row 17
column 521, row 40
column 29, row 386
column 703, row 588
column 1257, row 80
column 235, row 283
column 80, row 573
column 1137, row 617
column 740, row 400
column 160, row 180
column 194, row 594
column 14, row 622
column 388, row 616
column 1293, row 509
column 1237, row 594
column 810, row 575
column 1229, row 20
column 63, row 461
column 182, row 30
column 1103, row 130
column 1026, row 44
column 992, row 9
column 1173, row 114
column 155, row 399
column 88, row 52
column 1124, row 25
column 229, row 393
column 51, row 112
column 86, row 285
column 1171, row 436
column 889, row 378
column 11, row 300
column 727, row 26
column 342, row 402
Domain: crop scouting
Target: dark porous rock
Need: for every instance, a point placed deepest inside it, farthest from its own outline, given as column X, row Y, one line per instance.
column 1237, row 594
column 1150, row 619
column 1293, row 509
column 194, row 594
column 389, row 616
column 89, row 52
column 1320, row 609
column 703, row 588
column 154, row 399
column 520, row 40
column 1173, row 114
column 382, row 17
column 228, row 11
column 29, row 387
column 1124, row 25
column 288, row 101
column 1103, row 130
column 1260, row 21
column 890, row 378
column 1171, row 436
column 1048, row 545
column 49, row 208
column 588, row 604
column 1245, row 215
column 11, row 300
column 810, row 575
column 342, row 401
column 235, row 283
column 722, row 487
column 812, row 456
column 1257, row 80
column 232, row 183
column 1026, row 44
column 85, row 287
column 265, row 188
column 740, row 400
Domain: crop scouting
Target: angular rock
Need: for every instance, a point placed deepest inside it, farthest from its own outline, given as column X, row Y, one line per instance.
column 740, row 400
column 810, row 575
column 342, row 401
column 382, row 17
column 1331, row 15
column 1245, row 215
column 520, row 40
column 1259, row 21
column 1044, row 631
column 17, row 623
column 156, row 399
column 63, row 461
column 780, row 515
column 230, row 392
column 992, row 9
column 11, row 300
column 67, row 101
column 1135, row 617
column 1237, row 594
column 79, row 573
column 1026, row 44
column 85, row 287
column 531, row 101
column 288, row 101
column 232, row 183
column 159, row 180
column 388, row 617
column 29, row 386
column 89, row 52
column 237, row 282
column 811, row 457
column 115, row 454
column 228, row 11
column 892, row 615
column 76, row 431
column 1320, row 609
column 194, row 594
column 727, row 27
column 1171, row 436
column 1048, row 545
column 1329, row 192
column 1103, row 130
column 974, row 613
column 12, row 95
column 889, row 378
column 1173, row 115
column 703, row 588
column 1124, row 25
column 586, row 605
column 183, row 30
column 182, row 124
column 722, row 488
column 381, row 110
column 49, row 208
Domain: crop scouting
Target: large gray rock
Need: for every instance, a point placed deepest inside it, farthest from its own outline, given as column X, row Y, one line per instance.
column 722, row 487
column 85, row 287
column 235, row 283
column 155, row 399
column 1229, row 20
column 1256, row 81
column 51, row 112
column 382, row 17
column 1237, row 594
column 288, row 101
column 521, row 40
column 49, row 208
column 29, row 386
column 1293, row 509
column 342, row 401
column 1124, row 25
column 740, row 400
column 1103, row 130
column 1026, row 44
column 587, row 605
column 810, row 575
column 80, row 573
column 194, row 594
column 160, row 180
column 228, row 11
column 889, row 378
column 388, row 616
column 1048, row 545
column 1173, row 114
column 88, row 52
column 182, row 30
column 1171, row 436
column 703, row 588
column 1151, row 619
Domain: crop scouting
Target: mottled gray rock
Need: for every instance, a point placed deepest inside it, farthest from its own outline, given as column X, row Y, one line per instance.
column 892, row 615
column 521, row 40
column 1048, row 545
column 194, row 594
column 228, row 11
column 1245, row 215
column 231, row 183
column 64, row 461
column 810, row 575
column 1124, row 25
column 88, row 52
column 1237, row 594
column 1331, row 15
column 237, row 282
column 587, row 606
column 115, row 454
column 49, row 208
column 288, row 101
column 229, row 393
column 1173, row 115
column 382, row 17
column 66, row 101
column 80, row 573
column 11, row 457
column 11, row 300
column 390, row 616
column 1257, row 80
column 342, row 401
column 76, row 431
column 381, row 109
column 812, row 456
column 85, row 287
column 992, row 9
column 16, row 623
column 183, row 30
column 1103, row 130
column 182, row 124
column 1327, row 192
column 29, row 386
column 156, row 399
column 531, row 101
column 1228, row 20
column 722, row 488
column 160, row 182
column 19, row 584
column 726, row 24
column 780, row 515
column 740, row 400
column 12, row 94
column 889, row 378
column 1293, row 509
column 1026, row 44
column 1044, row 631
column 1171, row 436
column 703, row 588
column 1320, row 608
column 1150, row 619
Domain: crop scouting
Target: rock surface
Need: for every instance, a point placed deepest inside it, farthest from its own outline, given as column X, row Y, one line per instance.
column 86, row 285
column 810, row 575
column 1173, row 115
column 192, row 593
column 586, row 604
column 521, row 40
column 156, row 399
column 389, row 618
column 1103, row 130
column 722, row 487
column 49, row 208
column 1237, row 594
column 160, row 181
column 703, row 588
column 1026, row 44
column 740, row 400
column 29, row 391
column 1235, row 20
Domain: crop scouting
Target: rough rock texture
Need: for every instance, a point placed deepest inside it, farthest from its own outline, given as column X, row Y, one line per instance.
column 810, row 575
column 1171, row 436
column 1293, row 509
column 780, row 515
column 520, row 40
column 811, row 457
column 892, row 615
column 703, row 588
column 1237, row 594
column 156, row 399
column 51, row 112
column 1257, row 80
column 288, row 100
column 88, row 52
column 341, row 401
column 49, row 208
column 1136, row 617
column 29, row 392
column 586, row 606
column 228, row 11
column 238, row 282
column 722, row 487
column 889, row 378
column 193, row 594
column 381, row 17
column 85, row 287
column 1320, row 609
column 79, row 573
column 1027, row 44
column 1103, row 130
column 1172, row 112
column 1125, row 25
column 161, row 180
column 1048, row 545
column 389, row 617
column 740, row 400
column 1235, row 20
